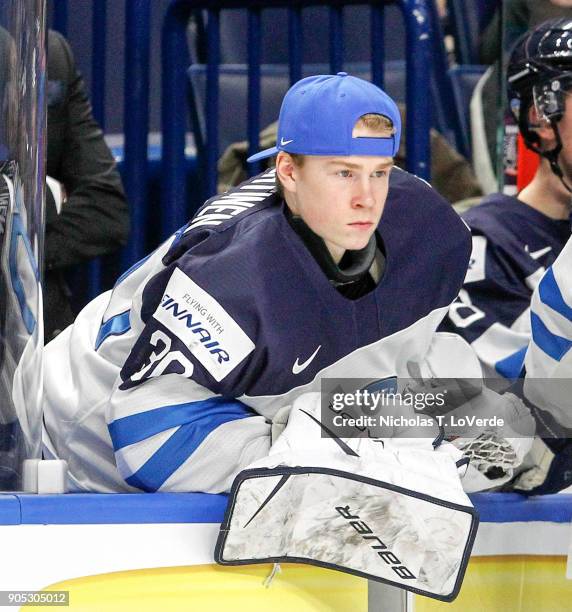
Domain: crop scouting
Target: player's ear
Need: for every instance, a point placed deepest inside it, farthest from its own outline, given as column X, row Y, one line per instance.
column 286, row 171
column 542, row 127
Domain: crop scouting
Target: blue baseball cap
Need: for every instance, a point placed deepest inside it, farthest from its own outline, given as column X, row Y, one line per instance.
column 318, row 115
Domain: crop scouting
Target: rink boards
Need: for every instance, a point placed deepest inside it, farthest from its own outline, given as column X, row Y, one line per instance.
column 150, row 552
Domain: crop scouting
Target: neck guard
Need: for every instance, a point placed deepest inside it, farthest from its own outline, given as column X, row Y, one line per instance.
column 354, row 265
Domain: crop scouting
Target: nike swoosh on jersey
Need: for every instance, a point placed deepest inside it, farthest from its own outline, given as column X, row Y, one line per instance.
column 299, row 367
column 539, row 253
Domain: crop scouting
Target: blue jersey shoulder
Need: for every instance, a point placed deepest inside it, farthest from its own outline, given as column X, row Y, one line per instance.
column 517, row 230
column 229, row 212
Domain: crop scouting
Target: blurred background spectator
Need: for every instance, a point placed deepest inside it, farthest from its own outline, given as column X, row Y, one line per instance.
column 86, row 210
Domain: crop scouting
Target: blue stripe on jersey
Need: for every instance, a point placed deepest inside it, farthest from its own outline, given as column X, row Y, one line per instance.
column 174, row 452
column 166, row 460
column 134, row 267
column 511, row 366
column 137, row 427
column 117, row 325
column 554, row 346
column 551, row 296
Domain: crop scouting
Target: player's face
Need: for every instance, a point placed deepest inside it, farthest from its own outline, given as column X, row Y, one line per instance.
column 342, row 198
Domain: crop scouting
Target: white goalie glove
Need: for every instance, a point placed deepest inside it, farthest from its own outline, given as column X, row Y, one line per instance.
column 388, row 510
column 495, row 432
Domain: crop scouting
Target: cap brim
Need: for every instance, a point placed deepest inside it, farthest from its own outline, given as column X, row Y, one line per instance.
column 263, row 155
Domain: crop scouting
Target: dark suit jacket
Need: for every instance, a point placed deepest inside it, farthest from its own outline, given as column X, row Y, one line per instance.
column 95, row 219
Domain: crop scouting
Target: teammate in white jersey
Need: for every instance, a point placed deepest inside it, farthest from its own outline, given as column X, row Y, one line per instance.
column 172, row 380
column 548, row 382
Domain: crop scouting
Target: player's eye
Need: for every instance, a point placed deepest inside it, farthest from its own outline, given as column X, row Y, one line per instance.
column 345, row 173
column 380, row 173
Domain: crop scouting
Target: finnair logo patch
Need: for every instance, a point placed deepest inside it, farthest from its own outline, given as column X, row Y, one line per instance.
column 199, row 321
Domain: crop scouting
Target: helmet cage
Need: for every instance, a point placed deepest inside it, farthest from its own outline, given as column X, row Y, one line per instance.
column 549, row 95
column 548, row 86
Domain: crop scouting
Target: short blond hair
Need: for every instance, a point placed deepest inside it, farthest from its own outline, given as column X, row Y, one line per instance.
column 380, row 125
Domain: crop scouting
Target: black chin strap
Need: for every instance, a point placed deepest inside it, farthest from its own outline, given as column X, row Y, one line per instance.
column 353, row 265
column 552, row 155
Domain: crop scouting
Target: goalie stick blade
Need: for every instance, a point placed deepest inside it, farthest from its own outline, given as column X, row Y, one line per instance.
column 349, row 523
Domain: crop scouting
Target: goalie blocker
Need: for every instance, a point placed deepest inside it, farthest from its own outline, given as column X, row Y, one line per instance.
column 342, row 517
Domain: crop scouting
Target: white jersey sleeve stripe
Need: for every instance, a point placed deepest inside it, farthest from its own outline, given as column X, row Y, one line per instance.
column 153, row 394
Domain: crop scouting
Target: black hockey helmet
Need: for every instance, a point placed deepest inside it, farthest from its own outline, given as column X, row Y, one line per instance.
column 539, row 72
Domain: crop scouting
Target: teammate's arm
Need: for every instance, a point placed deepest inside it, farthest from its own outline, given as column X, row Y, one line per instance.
column 548, row 381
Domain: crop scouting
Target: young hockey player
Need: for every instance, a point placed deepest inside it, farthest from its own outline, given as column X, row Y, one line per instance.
column 171, row 381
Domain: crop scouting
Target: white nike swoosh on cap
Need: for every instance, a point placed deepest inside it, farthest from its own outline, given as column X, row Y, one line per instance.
column 299, row 367
column 539, row 253
column 283, row 142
